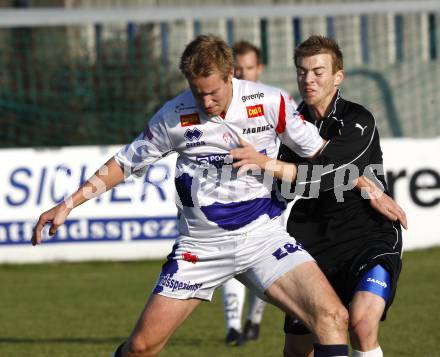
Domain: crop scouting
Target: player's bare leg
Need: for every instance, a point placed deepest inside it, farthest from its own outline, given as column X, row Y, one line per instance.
column 366, row 310
column 305, row 292
column 158, row 321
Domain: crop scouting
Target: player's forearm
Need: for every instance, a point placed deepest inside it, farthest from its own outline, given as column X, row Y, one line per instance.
column 246, row 156
column 319, row 151
column 281, row 170
column 107, row 177
column 363, row 184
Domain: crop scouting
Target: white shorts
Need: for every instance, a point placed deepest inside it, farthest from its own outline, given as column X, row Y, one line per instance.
column 196, row 267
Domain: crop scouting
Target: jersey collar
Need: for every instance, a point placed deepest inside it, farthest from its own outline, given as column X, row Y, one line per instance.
column 335, row 105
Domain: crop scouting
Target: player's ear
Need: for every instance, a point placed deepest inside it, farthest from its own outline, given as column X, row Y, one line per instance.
column 339, row 77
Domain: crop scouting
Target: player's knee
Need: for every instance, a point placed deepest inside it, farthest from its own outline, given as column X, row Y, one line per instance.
column 138, row 346
column 364, row 333
column 335, row 318
column 331, row 325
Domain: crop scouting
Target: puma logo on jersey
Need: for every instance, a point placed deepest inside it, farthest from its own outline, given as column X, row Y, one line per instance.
column 361, row 128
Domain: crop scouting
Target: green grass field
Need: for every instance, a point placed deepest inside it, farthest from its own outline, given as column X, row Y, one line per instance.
column 87, row 309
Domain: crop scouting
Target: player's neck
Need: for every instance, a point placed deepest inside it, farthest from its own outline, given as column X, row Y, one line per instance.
column 318, row 112
column 323, row 108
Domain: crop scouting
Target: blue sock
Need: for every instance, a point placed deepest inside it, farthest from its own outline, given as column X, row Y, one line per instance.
column 330, row 350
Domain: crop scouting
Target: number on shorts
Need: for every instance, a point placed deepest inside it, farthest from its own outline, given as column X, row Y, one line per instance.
column 280, row 253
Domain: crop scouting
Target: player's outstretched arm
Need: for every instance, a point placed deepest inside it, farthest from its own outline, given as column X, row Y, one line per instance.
column 247, row 158
column 108, row 176
column 381, row 202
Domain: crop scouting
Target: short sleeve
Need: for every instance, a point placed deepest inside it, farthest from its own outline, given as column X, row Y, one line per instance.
column 151, row 145
column 296, row 133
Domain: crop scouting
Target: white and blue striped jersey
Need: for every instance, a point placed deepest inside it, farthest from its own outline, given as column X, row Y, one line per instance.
column 214, row 200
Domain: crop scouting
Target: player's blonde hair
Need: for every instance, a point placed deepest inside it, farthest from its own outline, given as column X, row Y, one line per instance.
column 205, row 55
column 316, row 45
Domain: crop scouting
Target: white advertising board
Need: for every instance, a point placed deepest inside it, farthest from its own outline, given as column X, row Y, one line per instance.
column 412, row 167
column 137, row 220
column 134, row 220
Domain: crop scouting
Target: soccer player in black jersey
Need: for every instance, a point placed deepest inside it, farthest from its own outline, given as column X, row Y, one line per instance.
column 345, row 219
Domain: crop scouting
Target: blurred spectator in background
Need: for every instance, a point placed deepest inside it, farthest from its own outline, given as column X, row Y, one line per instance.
column 247, row 61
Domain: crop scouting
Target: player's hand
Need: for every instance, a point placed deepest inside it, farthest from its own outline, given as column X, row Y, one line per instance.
column 386, row 206
column 247, row 158
column 55, row 216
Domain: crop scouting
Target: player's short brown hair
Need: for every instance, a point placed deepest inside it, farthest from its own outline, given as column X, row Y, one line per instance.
column 205, row 55
column 241, row 48
column 316, row 45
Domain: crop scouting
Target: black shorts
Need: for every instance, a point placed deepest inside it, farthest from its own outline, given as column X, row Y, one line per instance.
column 382, row 248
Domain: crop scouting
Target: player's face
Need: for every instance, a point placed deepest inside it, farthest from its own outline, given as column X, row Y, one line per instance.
column 316, row 81
column 212, row 93
column 247, row 67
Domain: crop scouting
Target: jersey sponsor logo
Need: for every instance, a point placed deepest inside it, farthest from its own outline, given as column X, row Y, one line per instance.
column 189, row 119
column 217, row 160
column 255, row 111
column 193, row 135
column 189, row 257
column 287, row 249
column 193, row 145
column 378, row 282
column 359, row 126
column 181, row 108
column 257, row 129
column 258, row 95
column 174, row 284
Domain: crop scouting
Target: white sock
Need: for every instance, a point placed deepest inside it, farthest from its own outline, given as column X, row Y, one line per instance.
column 377, row 352
column 256, row 308
column 233, row 301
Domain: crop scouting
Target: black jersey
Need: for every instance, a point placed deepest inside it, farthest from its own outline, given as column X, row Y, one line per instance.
column 337, row 226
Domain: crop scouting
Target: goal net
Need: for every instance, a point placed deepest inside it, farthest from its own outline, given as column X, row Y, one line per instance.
column 94, row 75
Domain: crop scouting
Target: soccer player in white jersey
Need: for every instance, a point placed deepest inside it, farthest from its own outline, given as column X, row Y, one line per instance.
column 227, row 219
column 248, row 66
